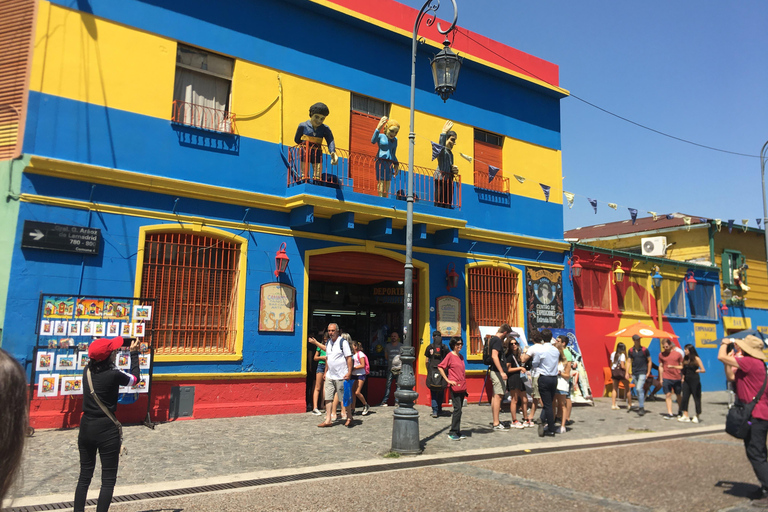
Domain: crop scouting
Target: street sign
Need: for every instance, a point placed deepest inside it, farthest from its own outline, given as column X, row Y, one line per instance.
column 60, row 237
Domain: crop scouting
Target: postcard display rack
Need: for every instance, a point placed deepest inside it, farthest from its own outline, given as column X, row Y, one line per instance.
column 66, row 327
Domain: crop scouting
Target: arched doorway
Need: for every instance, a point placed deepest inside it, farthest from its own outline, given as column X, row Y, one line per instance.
column 363, row 293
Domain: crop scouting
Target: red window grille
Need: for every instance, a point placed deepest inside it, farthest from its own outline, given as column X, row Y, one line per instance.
column 493, row 300
column 591, row 289
column 194, row 280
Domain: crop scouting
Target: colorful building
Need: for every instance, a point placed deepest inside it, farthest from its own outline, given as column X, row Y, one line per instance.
column 159, row 140
column 727, row 263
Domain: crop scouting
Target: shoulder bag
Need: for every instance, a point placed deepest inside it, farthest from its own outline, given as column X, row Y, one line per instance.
column 123, row 449
column 737, row 421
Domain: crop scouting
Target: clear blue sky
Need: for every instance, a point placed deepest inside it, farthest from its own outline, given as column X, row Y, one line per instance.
column 697, row 70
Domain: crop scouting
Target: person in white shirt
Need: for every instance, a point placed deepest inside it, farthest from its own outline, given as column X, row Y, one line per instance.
column 338, row 368
column 545, row 357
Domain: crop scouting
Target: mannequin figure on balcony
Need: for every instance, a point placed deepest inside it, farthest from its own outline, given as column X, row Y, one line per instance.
column 446, row 171
column 313, row 132
column 386, row 159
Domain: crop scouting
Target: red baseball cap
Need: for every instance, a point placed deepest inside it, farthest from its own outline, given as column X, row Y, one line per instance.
column 103, row 347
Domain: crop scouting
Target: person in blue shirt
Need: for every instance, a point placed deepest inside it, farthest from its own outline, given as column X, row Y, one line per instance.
column 386, row 159
column 445, row 168
column 312, row 133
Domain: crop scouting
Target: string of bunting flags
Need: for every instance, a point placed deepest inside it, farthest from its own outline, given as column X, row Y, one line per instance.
column 492, row 170
column 570, row 197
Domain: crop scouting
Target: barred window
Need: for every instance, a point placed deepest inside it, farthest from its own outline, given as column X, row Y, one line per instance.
column 591, row 289
column 194, row 279
column 493, row 300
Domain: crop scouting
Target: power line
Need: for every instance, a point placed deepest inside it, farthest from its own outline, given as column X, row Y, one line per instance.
column 515, row 64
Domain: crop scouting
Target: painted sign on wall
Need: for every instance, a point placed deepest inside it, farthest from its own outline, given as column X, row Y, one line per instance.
column 448, row 315
column 544, row 290
column 705, row 335
column 277, row 307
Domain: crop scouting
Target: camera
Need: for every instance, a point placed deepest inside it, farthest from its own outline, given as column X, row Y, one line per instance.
column 127, row 342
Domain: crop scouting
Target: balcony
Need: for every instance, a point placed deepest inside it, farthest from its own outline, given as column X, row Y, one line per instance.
column 357, row 172
column 205, row 118
column 497, row 184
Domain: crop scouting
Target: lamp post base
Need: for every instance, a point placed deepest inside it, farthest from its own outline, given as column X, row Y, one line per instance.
column 405, row 428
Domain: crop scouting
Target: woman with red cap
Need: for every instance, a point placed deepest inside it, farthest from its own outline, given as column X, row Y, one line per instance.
column 98, row 428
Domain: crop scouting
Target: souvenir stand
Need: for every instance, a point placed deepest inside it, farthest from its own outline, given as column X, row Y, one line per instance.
column 67, row 324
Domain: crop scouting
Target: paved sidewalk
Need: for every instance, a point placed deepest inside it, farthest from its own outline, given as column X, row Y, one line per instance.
column 218, row 450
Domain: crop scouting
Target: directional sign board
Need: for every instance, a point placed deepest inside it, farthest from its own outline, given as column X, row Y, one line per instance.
column 60, row 237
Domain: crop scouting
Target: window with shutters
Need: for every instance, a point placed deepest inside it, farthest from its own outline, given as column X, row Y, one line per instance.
column 365, row 116
column 591, row 289
column 733, row 261
column 196, row 280
column 16, row 42
column 673, row 297
column 488, row 153
column 202, row 90
column 493, row 300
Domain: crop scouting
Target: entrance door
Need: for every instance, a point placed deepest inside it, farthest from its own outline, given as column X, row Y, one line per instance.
column 363, row 293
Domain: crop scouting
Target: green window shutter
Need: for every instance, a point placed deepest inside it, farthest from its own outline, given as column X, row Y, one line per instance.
column 727, row 268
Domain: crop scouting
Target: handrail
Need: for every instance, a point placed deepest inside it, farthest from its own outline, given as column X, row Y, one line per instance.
column 356, row 171
column 199, row 116
column 498, row 184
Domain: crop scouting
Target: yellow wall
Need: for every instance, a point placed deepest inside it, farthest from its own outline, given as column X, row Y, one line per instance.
column 686, row 245
column 538, row 165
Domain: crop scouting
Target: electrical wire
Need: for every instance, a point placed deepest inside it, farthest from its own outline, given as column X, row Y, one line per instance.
column 686, row 141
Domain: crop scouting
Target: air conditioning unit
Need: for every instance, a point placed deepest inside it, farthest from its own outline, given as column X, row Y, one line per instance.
column 654, row 246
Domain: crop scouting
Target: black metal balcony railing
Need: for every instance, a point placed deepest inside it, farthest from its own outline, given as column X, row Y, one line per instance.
column 358, row 172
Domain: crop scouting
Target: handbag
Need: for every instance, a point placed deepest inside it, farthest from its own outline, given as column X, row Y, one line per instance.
column 618, row 373
column 123, row 449
column 347, row 398
column 737, row 421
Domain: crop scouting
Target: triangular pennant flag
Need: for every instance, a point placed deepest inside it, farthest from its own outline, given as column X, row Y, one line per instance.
column 633, row 214
column 545, row 188
column 730, row 224
column 702, row 220
column 436, row 150
column 593, row 202
column 719, row 224
column 654, row 215
column 492, row 172
column 687, row 222
column 569, row 197
column 759, row 220
column 669, row 216
column 744, row 224
column 465, row 157
column 613, row 205
column 519, row 178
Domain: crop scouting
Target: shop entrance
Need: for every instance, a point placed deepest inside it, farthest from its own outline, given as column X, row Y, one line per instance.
column 363, row 293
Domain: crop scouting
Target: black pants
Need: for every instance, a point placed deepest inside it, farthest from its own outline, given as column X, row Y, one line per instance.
column 97, row 434
column 692, row 387
column 458, row 403
column 547, row 390
column 757, row 454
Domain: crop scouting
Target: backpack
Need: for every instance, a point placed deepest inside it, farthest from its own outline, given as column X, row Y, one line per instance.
column 367, row 364
column 487, row 357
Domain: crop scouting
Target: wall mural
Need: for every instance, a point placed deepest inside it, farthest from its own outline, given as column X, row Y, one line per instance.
column 544, row 292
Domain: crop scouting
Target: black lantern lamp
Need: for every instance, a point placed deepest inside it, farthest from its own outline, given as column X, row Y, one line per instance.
column 690, row 281
column 445, row 71
column 281, row 260
column 451, row 277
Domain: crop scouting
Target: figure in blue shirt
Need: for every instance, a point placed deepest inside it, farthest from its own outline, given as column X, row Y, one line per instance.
column 445, row 168
column 386, row 159
column 312, row 133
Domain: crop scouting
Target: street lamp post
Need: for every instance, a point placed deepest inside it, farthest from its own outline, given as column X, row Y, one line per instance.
column 405, row 428
column 763, row 156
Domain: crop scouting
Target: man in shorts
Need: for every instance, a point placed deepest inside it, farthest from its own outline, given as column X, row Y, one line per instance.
column 537, row 342
column 338, row 368
column 498, row 371
column 670, row 373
